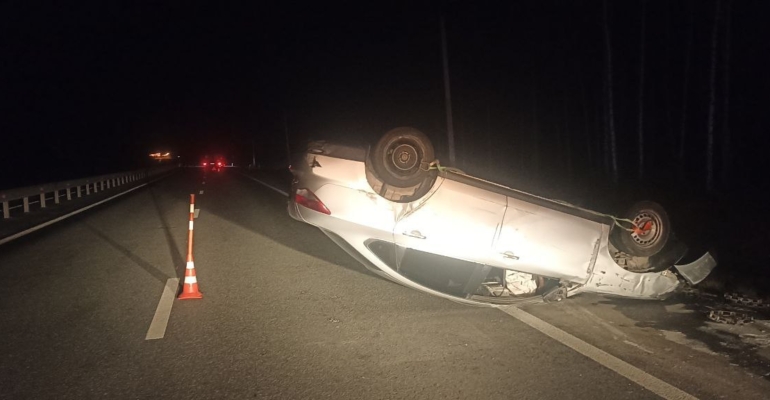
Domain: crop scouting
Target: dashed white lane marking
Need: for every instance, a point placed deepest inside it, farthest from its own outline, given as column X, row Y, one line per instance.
column 201, row 192
column 621, row 367
column 197, row 211
column 267, row 185
column 163, row 311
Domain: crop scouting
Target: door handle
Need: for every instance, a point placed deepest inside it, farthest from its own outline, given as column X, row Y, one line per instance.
column 414, row 234
column 510, row 255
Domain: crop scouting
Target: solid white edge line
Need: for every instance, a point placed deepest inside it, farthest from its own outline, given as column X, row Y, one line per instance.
column 65, row 216
column 621, row 367
column 265, row 184
column 162, row 313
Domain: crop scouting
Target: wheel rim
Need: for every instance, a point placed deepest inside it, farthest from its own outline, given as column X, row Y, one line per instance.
column 403, row 159
column 649, row 229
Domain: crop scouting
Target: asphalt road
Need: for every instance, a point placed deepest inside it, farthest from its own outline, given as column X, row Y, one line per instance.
column 286, row 314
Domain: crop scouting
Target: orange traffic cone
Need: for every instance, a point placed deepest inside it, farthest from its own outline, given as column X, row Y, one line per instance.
column 190, row 286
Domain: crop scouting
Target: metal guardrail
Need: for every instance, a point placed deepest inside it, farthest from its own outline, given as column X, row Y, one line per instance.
column 71, row 188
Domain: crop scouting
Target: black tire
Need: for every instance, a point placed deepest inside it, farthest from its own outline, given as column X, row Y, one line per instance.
column 656, row 230
column 401, row 156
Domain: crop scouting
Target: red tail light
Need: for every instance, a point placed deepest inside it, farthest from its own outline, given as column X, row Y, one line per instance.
column 308, row 199
column 204, row 164
column 219, row 164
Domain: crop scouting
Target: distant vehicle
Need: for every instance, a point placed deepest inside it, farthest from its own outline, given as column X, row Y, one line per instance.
column 405, row 217
column 217, row 166
column 213, row 165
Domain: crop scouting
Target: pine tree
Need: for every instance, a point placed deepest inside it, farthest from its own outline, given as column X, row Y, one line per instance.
column 612, row 148
column 712, row 101
column 641, row 96
column 685, row 86
column 726, row 150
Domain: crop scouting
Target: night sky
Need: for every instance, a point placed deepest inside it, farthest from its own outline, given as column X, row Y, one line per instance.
column 93, row 87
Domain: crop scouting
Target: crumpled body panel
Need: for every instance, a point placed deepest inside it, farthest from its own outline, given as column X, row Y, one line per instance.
column 609, row 278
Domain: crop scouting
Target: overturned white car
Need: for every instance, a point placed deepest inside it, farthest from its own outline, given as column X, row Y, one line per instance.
column 406, row 218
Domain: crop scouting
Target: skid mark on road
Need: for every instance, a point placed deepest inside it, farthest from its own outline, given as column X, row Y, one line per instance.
column 621, row 367
column 163, row 311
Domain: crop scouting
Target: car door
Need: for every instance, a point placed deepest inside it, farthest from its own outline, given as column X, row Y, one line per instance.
column 540, row 240
column 458, row 221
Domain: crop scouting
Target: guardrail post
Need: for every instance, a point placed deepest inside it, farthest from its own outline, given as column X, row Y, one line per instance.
column 26, row 195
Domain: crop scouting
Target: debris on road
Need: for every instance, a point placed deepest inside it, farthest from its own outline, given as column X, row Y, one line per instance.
column 745, row 300
column 730, row 317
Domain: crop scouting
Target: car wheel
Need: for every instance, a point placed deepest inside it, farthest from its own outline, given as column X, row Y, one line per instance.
column 396, row 194
column 654, row 229
column 401, row 156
